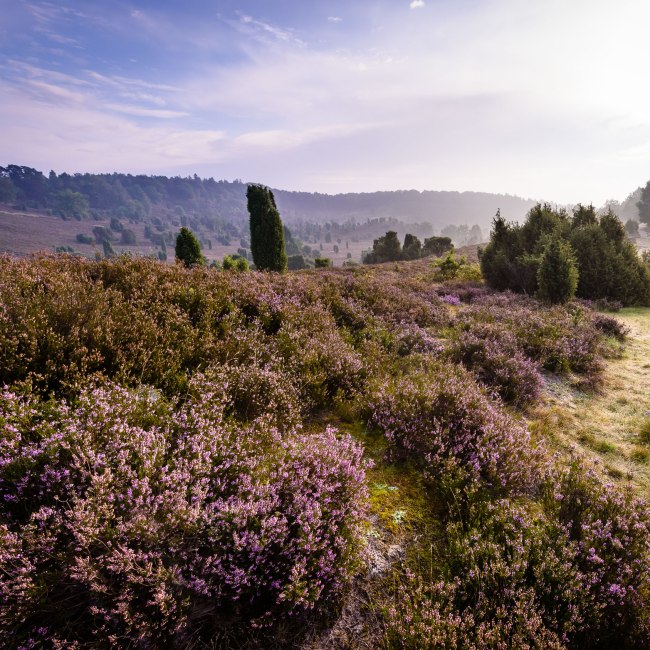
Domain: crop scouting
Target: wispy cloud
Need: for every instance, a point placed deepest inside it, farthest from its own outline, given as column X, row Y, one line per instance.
column 334, row 19
column 261, row 27
column 140, row 111
column 417, row 4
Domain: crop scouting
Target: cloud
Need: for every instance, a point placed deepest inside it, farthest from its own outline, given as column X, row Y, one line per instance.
column 417, row 4
column 334, row 19
column 259, row 27
column 140, row 111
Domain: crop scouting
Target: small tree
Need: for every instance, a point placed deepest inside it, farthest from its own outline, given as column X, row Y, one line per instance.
column 643, row 204
column 322, row 263
column 267, row 234
column 108, row 249
column 412, row 248
column 188, row 249
column 557, row 275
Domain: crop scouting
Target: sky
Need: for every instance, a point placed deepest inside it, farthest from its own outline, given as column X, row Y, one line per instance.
column 545, row 99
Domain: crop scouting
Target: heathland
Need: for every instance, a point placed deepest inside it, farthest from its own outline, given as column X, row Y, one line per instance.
column 382, row 456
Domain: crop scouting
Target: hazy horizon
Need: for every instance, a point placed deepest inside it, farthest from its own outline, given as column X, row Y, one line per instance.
column 542, row 102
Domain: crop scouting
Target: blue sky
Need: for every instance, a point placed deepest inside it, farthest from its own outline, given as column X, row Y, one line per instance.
column 544, row 99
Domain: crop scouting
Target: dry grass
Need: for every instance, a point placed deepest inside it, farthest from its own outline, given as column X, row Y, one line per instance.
column 613, row 425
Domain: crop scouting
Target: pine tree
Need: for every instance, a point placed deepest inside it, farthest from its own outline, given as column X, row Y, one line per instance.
column 557, row 275
column 644, row 204
column 188, row 249
column 267, row 234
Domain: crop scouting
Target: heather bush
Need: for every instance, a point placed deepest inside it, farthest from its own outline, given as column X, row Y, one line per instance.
column 560, row 338
column 497, row 360
column 574, row 574
column 609, row 326
column 155, row 523
column 413, row 339
column 440, row 418
column 485, row 595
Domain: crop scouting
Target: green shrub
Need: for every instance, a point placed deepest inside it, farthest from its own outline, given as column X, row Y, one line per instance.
column 557, row 275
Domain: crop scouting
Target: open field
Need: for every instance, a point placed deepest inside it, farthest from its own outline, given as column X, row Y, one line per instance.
column 608, row 424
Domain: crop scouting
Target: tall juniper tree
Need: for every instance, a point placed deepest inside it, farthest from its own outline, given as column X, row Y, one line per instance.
column 267, row 235
column 188, row 249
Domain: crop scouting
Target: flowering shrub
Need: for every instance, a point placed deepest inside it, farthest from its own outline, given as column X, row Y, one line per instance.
column 560, row 339
column 440, row 418
column 154, row 523
column 573, row 575
column 609, row 326
column 155, row 477
column 495, row 357
column 411, row 338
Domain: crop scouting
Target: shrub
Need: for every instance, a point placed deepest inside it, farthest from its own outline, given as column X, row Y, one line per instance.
column 442, row 420
column 607, row 264
column 574, row 574
column 557, row 275
column 188, row 250
column 322, row 262
column 235, row 263
column 497, row 360
column 157, row 524
column 127, row 237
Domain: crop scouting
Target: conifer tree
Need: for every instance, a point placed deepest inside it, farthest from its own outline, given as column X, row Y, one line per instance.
column 557, row 274
column 188, row 249
column 267, row 234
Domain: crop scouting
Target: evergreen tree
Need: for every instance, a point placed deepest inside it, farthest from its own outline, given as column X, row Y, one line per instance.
column 108, row 249
column 412, row 247
column 385, row 249
column 557, row 275
column 644, row 204
column 188, row 249
column 267, row 234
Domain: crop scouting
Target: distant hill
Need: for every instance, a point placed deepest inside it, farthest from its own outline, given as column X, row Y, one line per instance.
column 437, row 208
column 138, row 197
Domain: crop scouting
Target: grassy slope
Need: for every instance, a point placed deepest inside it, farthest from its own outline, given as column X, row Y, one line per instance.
column 607, row 425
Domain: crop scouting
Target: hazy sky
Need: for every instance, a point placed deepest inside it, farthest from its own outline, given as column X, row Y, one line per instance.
column 540, row 98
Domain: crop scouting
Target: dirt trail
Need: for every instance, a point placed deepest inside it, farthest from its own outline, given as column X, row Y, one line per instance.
column 607, row 425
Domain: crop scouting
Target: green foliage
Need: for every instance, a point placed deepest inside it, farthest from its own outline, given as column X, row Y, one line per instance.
column 644, row 204
column 296, row 262
column 188, row 249
column 267, row 234
column 235, row 263
column 69, row 204
column 412, row 247
column 7, row 191
column 102, row 234
column 385, row 249
column 108, row 249
column 436, row 246
column 82, row 238
column 127, row 237
column 557, row 274
column 389, row 249
column 607, row 263
column 322, row 262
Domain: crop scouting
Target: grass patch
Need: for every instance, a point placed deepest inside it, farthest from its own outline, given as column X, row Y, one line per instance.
column 644, row 434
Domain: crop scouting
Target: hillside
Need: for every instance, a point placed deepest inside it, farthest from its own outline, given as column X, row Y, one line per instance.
column 367, row 457
column 340, row 226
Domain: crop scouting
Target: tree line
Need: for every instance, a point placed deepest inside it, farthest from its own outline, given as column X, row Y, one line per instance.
column 557, row 255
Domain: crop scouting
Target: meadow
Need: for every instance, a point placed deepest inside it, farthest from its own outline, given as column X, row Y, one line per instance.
column 364, row 457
